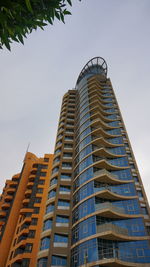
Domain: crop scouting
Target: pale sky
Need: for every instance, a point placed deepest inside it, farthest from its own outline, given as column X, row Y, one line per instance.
column 34, row 77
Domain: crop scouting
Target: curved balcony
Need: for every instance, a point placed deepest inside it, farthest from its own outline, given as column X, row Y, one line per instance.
column 98, row 114
column 8, row 198
column 32, row 177
column 16, row 177
column 28, row 193
column 25, row 202
column 106, row 193
column 101, row 141
column 11, row 191
column 30, row 185
column 25, row 210
column 5, row 206
column 100, row 131
column 2, row 214
column 103, row 164
column 13, row 183
column 107, row 209
column 105, row 176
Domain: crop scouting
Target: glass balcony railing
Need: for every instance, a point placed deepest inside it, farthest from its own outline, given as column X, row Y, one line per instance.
column 108, row 205
column 105, row 172
column 111, row 227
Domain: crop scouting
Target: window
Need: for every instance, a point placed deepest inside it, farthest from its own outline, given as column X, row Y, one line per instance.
column 67, row 155
column 52, row 193
column 25, row 263
column 85, row 228
column 59, row 261
column 66, row 165
column 69, row 138
column 135, row 227
column 45, row 243
column 47, row 225
column 68, row 146
column 34, row 221
column 38, row 200
column 130, row 207
column 60, row 238
column 36, row 210
column 28, row 247
column 46, row 159
column 62, row 219
column 43, row 174
column 40, row 190
column 63, row 203
column 140, row 252
column 64, row 188
column 49, row 208
column 41, row 182
column 144, row 210
column 53, row 181
column 31, row 234
column 42, row 262
column 65, row 176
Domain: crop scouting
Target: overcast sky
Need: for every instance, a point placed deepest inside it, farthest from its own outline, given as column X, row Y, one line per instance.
column 34, row 77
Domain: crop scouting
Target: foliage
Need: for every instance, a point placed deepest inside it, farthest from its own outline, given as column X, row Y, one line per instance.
column 20, row 17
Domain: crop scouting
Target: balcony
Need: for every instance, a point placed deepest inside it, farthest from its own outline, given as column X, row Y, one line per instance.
column 11, row 191
column 113, row 228
column 110, row 210
column 8, row 198
column 2, row 214
column 25, row 210
column 30, row 185
column 5, row 206
column 28, row 193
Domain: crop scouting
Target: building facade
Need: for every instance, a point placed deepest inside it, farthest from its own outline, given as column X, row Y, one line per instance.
column 92, row 210
column 97, row 212
column 22, row 207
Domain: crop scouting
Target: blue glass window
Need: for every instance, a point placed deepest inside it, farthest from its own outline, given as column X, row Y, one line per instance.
column 123, row 174
column 64, row 188
column 113, row 123
column 62, row 219
column 117, row 150
column 45, row 243
column 47, row 224
column 115, row 140
column 52, row 194
column 42, row 262
column 59, row 261
column 60, row 238
column 121, row 162
column 49, row 208
column 114, row 131
column 63, row 203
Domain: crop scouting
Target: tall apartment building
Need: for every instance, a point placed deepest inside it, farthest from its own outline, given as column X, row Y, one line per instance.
column 94, row 210
column 22, row 207
column 97, row 212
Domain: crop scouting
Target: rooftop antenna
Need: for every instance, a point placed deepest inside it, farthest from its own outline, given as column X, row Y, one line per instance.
column 28, row 147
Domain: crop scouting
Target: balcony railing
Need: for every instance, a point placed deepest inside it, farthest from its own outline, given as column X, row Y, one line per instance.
column 105, row 172
column 108, row 205
column 111, row 227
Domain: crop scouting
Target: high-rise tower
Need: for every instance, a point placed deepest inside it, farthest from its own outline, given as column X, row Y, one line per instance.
column 94, row 209
column 97, row 212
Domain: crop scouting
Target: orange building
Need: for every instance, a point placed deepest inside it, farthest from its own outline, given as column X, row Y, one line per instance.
column 22, row 207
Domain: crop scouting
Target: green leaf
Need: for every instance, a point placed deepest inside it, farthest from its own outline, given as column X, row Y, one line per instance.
column 62, row 17
column 66, row 12
column 28, row 4
column 69, row 2
column 57, row 15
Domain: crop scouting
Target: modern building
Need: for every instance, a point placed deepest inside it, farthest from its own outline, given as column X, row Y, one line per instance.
column 97, row 212
column 22, row 207
column 93, row 205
